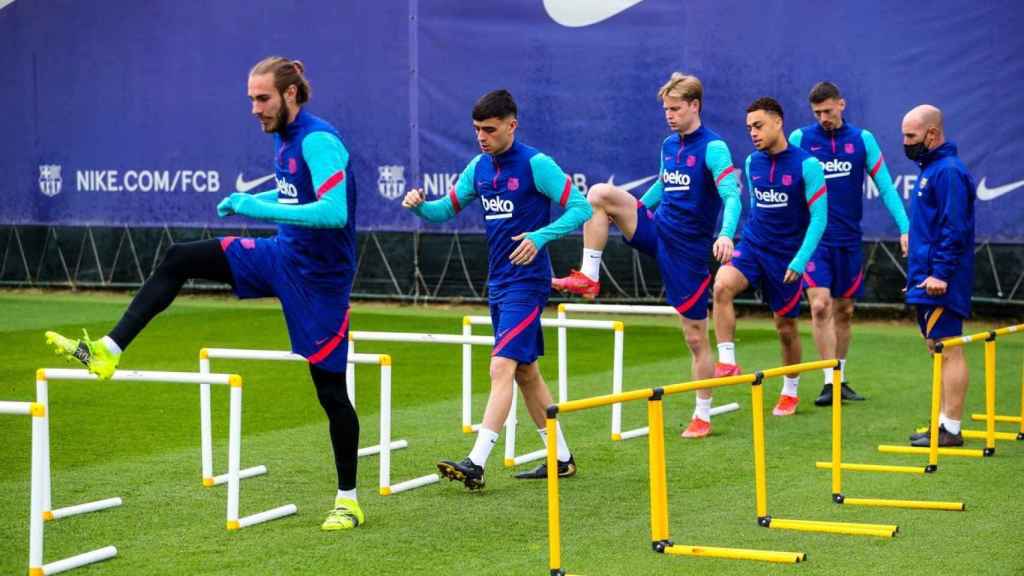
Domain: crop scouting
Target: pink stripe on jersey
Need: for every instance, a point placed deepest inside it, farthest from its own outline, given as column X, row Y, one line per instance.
column 821, row 192
column 878, row 165
column 565, row 192
column 226, row 241
column 793, row 302
column 324, row 352
column 724, row 173
column 330, row 183
column 809, row 281
column 689, row 302
column 455, row 199
column 856, row 284
column 515, row 331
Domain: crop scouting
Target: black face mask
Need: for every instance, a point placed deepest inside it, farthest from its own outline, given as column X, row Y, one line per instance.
column 915, row 151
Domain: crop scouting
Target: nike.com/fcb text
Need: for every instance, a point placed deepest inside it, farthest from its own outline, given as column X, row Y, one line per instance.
column 147, row 181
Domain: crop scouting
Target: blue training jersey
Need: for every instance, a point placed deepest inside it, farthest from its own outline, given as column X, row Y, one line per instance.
column 846, row 155
column 696, row 176
column 788, row 204
column 942, row 230
column 516, row 189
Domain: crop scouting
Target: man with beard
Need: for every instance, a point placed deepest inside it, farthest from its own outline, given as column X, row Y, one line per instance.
column 308, row 265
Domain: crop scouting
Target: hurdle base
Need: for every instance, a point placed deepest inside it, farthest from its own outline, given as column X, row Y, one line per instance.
column 963, row 452
column 261, row 517
column 872, row 468
column 725, row 408
column 848, row 528
column 242, row 475
column 409, row 484
column 77, row 509
column 998, row 418
column 375, row 449
column 736, row 553
column 982, row 435
column 910, row 504
column 524, row 458
column 76, row 561
column 630, row 434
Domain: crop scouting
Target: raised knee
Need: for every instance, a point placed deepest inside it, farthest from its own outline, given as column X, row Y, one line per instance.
column 821, row 308
column 598, row 193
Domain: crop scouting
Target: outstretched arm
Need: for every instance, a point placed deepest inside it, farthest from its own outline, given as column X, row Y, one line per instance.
column 444, row 209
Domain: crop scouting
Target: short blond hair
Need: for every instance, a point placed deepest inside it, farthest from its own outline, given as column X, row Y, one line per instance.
column 682, row 87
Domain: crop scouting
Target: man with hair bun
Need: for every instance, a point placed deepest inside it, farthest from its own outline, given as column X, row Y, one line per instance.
column 308, row 265
column 674, row 222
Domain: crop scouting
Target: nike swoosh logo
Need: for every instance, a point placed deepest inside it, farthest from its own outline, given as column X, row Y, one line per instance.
column 579, row 13
column 243, row 185
column 814, row 148
column 986, row 193
column 631, row 185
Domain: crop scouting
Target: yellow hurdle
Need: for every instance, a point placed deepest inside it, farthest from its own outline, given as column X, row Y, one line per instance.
column 872, row 468
column 554, row 529
column 736, row 554
column 913, row 504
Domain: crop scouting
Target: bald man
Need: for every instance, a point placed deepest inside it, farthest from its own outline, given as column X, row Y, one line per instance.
column 940, row 272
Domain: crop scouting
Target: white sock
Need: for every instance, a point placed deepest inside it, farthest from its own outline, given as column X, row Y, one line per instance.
column 842, row 369
column 563, row 447
column 790, row 385
column 952, row 426
column 727, row 352
column 112, row 346
column 485, row 440
column 591, row 265
column 828, row 375
column 350, row 494
column 703, row 409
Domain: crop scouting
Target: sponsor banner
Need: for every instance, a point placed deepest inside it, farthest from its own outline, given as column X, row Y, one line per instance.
column 129, row 119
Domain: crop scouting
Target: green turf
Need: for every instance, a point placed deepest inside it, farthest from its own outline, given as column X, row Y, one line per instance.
column 140, row 442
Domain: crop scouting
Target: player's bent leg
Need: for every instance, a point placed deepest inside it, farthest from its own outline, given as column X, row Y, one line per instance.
column 789, row 339
column 729, row 282
column 842, row 320
column 537, row 398
column 823, row 330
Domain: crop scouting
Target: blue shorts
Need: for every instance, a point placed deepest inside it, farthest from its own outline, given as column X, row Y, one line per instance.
column 515, row 316
column 317, row 317
column 766, row 271
column 685, row 274
column 937, row 322
column 840, row 269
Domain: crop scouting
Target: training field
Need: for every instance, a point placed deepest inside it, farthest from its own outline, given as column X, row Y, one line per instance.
column 140, row 441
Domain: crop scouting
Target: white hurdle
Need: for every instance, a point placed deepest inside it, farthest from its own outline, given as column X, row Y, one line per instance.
column 385, row 445
column 36, row 567
column 234, row 381
column 563, row 380
column 639, row 310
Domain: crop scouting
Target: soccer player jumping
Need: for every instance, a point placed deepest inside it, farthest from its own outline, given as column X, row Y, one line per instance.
column 835, row 273
column 308, row 265
column 695, row 180
column 516, row 185
column 788, row 214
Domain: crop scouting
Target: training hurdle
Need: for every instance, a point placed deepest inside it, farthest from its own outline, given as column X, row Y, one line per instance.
column 989, row 434
column 660, row 539
column 616, row 327
column 234, row 381
column 383, row 447
column 640, row 310
column 466, row 341
column 37, row 411
column 1018, row 328
column 837, row 466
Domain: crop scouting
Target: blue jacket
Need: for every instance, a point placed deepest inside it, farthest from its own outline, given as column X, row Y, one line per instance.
column 942, row 231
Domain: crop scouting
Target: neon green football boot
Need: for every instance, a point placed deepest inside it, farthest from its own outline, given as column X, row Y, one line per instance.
column 346, row 515
column 91, row 353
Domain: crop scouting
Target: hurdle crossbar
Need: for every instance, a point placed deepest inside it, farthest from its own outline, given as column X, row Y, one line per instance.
column 563, row 356
column 837, row 466
column 563, row 386
column 384, row 361
column 39, row 413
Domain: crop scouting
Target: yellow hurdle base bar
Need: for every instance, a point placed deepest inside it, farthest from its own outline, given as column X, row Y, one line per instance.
column 850, row 528
column 890, row 503
column 1007, row 419
column 873, row 468
column 982, row 435
column 965, row 452
column 736, row 553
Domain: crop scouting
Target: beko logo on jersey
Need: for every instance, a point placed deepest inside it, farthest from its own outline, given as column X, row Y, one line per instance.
column 771, row 198
column 836, row 168
column 497, row 208
column 675, row 181
column 286, row 188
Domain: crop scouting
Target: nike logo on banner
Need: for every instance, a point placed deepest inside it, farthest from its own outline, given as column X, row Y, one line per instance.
column 579, row 13
column 631, row 185
column 243, row 185
column 986, row 193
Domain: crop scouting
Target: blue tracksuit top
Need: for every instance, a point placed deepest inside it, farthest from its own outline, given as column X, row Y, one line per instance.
column 696, row 175
column 788, row 204
column 516, row 189
column 942, row 230
column 846, row 155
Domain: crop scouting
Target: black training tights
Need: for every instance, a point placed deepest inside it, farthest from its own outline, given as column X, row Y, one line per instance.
column 344, row 423
column 202, row 259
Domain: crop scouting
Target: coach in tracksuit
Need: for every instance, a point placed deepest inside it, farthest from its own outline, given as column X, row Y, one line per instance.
column 940, row 274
